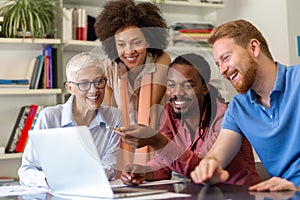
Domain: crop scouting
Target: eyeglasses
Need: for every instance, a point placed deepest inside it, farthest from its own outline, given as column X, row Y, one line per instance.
column 85, row 86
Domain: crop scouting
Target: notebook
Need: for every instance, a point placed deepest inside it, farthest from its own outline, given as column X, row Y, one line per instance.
column 70, row 161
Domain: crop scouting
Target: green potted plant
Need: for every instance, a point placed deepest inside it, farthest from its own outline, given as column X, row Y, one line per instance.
column 28, row 18
column 158, row 2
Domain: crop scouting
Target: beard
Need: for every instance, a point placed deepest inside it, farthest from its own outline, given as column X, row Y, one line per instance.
column 247, row 78
column 185, row 113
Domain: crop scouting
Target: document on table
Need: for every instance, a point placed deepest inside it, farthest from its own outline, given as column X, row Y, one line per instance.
column 119, row 183
column 20, row 190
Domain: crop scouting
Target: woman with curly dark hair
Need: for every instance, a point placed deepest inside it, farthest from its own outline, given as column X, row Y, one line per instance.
column 134, row 37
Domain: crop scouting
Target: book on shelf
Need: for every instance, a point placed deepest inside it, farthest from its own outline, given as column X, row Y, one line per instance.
column 91, row 35
column 192, row 25
column 67, row 22
column 44, row 75
column 24, row 122
column 37, row 72
column 30, row 70
column 28, row 125
column 79, row 25
column 17, row 129
column 14, row 83
column 54, row 68
column 48, row 65
column 188, row 31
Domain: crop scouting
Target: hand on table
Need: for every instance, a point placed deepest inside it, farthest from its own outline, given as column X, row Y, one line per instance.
column 273, row 184
column 136, row 174
column 209, row 172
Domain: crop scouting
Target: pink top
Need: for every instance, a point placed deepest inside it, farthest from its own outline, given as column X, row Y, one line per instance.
column 182, row 154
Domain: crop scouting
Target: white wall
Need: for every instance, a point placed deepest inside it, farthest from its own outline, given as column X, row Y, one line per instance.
column 278, row 20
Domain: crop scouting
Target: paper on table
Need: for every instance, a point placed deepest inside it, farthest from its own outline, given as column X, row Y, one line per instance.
column 20, row 190
column 119, row 183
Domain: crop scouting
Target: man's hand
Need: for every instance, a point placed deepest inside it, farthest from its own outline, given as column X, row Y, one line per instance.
column 273, row 184
column 136, row 174
column 209, row 172
column 139, row 136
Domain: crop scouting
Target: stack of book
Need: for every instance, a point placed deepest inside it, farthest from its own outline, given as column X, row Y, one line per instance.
column 25, row 121
column 44, row 69
column 78, row 25
column 191, row 31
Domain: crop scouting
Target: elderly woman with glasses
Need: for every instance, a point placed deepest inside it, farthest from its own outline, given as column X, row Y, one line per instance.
column 86, row 82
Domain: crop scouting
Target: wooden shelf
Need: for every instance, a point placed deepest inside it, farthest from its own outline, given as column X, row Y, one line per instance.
column 29, row 41
column 14, row 91
column 81, row 45
column 7, row 156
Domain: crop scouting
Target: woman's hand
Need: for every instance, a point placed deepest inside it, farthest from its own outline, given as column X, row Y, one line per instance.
column 139, row 136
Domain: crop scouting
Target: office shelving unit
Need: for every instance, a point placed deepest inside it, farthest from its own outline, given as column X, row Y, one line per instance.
column 15, row 55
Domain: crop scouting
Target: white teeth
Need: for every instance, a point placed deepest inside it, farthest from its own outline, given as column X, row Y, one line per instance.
column 130, row 59
column 233, row 75
column 94, row 97
column 177, row 102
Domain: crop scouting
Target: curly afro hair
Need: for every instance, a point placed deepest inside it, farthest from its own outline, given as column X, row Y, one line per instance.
column 122, row 13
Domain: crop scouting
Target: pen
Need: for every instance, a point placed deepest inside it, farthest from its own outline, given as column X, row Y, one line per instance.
column 115, row 129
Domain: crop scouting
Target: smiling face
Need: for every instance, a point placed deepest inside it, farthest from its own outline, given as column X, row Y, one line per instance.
column 235, row 63
column 131, row 46
column 185, row 89
column 91, row 99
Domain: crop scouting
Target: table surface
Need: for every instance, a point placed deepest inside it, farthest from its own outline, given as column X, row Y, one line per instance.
column 199, row 192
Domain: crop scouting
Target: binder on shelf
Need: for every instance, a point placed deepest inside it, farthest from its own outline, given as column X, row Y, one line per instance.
column 17, row 129
column 27, row 126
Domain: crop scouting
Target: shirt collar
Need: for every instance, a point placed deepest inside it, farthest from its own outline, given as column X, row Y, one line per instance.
column 66, row 115
column 278, row 85
column 280, row 78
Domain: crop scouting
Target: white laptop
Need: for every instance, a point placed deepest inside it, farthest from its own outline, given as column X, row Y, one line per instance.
column 72, row 166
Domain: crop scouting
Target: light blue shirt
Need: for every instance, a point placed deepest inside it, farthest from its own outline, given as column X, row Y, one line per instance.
column 275, row 132
column 106, row 141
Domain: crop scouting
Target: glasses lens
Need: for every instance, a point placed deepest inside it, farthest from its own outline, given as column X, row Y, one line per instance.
column 100, row 83
column 84, row 86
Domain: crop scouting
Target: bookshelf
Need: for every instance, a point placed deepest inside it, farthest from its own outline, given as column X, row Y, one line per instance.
column 15, row 56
